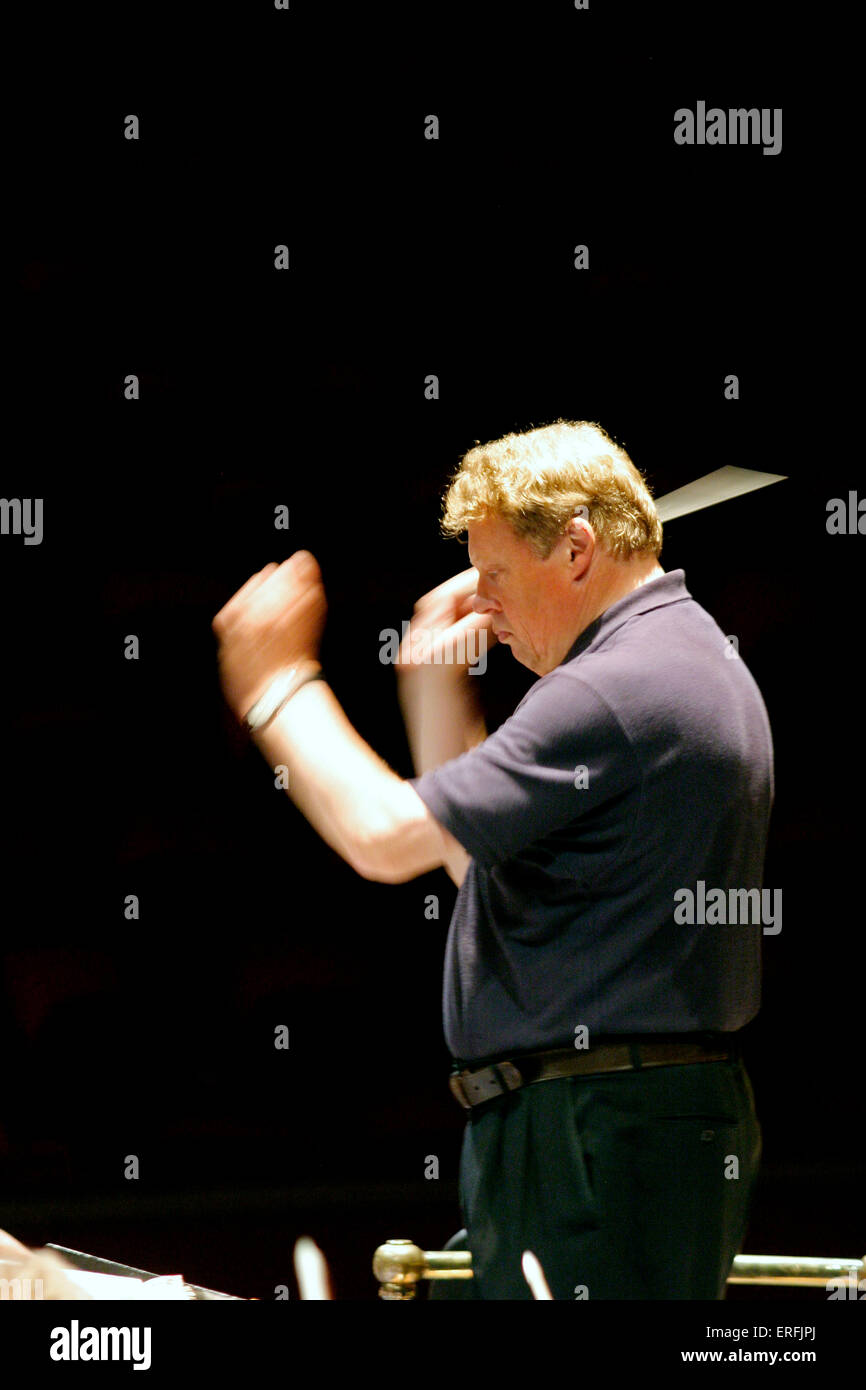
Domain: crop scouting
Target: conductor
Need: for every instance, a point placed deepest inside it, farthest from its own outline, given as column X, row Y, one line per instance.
column 594, row 1030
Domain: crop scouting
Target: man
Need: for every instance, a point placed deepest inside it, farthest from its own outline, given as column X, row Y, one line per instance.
column 611, row 1124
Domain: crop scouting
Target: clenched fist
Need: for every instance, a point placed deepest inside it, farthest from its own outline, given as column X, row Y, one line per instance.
column 445, row 630
column 273, row 622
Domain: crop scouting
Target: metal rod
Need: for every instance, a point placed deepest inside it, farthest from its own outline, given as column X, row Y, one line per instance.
column 400, row 1265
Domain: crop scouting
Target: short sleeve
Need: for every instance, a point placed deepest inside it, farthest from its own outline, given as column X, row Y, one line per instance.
column 557, row 759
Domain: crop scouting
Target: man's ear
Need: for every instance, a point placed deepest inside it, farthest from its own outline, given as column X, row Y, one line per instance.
column 580, row 539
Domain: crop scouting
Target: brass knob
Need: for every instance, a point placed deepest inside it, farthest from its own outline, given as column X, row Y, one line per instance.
column 400, row 1265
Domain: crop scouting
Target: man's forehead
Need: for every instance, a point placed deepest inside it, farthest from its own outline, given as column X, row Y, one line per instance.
column 493, row 540
column 483, row 557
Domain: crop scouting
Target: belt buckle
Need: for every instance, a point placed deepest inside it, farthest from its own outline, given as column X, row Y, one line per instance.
column 455, row 1081
column 503, row 1075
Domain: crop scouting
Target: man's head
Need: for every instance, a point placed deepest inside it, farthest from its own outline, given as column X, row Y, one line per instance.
column 560, row 525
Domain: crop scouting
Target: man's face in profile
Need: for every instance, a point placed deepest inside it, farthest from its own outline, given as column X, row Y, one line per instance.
column 527, row 599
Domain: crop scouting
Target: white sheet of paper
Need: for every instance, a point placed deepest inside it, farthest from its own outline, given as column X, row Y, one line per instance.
column 120, row 1286
column 714, row 487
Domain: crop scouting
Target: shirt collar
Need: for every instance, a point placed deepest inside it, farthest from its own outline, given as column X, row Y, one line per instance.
column 657, row 593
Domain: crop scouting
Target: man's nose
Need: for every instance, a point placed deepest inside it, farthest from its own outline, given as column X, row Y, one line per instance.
column 481, row 603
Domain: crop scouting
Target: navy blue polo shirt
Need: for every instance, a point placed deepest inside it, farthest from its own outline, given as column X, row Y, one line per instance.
column 640, row 765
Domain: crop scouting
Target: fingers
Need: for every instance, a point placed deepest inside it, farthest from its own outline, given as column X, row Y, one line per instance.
column 475, row 622
column 255, row 581
column 302, row 564
column 459, row 585
column 304, row 559
column 444, row 645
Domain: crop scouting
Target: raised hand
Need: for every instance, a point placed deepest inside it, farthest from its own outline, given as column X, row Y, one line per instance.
column 273, row 622
column 445, row 630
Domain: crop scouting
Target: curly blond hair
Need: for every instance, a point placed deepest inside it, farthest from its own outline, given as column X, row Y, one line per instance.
column 537, row 480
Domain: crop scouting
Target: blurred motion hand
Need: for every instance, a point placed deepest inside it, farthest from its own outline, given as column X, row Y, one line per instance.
column 274, row 621
column 441, row 631
column 40, row 1274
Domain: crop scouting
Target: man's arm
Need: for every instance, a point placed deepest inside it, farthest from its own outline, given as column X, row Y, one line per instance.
column 364, row 811
column 438, row 697
column 442, row 714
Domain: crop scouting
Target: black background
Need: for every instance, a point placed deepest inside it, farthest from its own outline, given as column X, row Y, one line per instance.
column 306, row 388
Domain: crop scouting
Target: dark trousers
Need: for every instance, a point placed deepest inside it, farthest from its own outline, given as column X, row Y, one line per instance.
column 631, row 1185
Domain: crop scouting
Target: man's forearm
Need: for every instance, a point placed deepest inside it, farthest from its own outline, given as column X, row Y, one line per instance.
column 344, row 789
column 442, row 713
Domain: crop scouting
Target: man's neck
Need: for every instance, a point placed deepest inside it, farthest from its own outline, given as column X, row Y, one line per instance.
column 619, row 580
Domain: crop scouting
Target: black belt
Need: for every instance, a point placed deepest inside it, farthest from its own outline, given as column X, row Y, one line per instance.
column 475, row 1086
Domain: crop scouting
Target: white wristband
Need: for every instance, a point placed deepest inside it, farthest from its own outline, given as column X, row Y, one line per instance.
column 278, row 693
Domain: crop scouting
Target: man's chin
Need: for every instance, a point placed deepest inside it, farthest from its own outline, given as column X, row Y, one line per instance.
column 521, row 661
